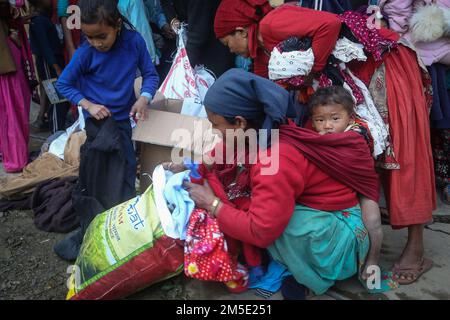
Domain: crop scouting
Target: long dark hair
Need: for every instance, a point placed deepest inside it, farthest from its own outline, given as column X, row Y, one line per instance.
column 102, row 11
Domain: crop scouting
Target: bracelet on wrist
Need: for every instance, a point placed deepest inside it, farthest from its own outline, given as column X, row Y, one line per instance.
column 214, row 206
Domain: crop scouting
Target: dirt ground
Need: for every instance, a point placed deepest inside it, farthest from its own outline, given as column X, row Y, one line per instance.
column 28, row 267
column 30, row 270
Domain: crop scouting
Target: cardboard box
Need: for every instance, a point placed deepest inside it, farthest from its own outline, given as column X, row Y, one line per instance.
column 166, row 131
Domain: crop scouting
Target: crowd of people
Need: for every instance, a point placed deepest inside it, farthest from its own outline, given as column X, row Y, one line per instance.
column 360, row 108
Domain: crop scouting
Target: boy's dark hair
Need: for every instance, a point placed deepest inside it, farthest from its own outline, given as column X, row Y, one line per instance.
column 332, row 95
column 101, row 11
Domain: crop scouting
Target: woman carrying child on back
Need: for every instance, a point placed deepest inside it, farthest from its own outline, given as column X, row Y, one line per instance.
column 100, row 77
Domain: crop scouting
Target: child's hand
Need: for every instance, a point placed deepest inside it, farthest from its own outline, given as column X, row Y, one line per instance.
column 98, row 111
column 139, row 109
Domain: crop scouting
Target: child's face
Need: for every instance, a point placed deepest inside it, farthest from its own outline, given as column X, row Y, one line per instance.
column 331, row 118
column 100, row 35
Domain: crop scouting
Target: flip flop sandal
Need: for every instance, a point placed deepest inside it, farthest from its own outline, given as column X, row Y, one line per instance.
column 387, row 283
column 416, row 272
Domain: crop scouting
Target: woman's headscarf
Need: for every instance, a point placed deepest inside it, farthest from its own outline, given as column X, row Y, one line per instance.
column 240, row 13
column 241, row 93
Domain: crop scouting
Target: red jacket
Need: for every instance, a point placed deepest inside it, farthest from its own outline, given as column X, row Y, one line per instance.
column 273, row 198
column 289, row 20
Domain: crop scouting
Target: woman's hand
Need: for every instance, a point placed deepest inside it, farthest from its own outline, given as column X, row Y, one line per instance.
column 175, row 24
column 168, row 32
column 174, row 167
column 202, row 195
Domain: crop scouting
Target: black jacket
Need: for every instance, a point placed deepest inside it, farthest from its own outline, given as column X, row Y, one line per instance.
column 202, row 46
column 102, row 178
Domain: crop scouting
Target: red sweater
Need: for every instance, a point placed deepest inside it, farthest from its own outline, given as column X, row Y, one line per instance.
column 274, row 198
column 289, row 20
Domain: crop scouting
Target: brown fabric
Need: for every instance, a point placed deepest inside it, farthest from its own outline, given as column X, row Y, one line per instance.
column 6, row 59
column 47, row 166
column 72, row 149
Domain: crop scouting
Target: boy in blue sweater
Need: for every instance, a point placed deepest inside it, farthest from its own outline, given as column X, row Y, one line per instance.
column 101, row 75
column 100, row 78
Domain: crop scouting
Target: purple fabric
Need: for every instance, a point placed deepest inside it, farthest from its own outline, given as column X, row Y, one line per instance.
column 15, row 101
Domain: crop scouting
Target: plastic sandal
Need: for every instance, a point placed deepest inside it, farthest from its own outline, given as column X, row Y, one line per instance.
column 416, row 271
column 387, row 283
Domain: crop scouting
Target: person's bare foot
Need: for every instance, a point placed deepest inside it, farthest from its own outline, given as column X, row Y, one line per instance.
column 409, row 274
column 412, row 264
column 369, row 263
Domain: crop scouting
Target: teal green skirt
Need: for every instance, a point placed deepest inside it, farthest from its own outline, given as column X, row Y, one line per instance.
column 320, row 247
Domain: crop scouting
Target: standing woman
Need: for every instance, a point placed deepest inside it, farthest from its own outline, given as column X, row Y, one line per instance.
column 251, row 28
column 397, row 86
column 16, row 69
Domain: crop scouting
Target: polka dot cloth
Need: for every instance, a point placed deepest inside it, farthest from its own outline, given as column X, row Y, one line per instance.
column 284, row 65
column 206, row 254
column 371, row 39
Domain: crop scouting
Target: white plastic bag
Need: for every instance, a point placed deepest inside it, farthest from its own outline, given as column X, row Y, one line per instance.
column 159, row 182
column 204, row 80
column 58, row 145
column 193, row 107
column 183, row 81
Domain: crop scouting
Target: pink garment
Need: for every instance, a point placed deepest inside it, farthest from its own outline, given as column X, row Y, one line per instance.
column 400, row 11
column 15, row 99
column 17, row 3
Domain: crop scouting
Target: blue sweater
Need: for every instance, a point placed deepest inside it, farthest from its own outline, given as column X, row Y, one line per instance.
column 107, row 78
